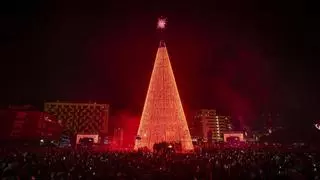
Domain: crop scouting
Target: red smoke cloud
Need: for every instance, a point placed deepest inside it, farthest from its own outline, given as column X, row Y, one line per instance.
column 129, row 122
column 242, row 85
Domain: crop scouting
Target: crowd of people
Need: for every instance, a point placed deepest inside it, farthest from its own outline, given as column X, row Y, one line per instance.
column 52, row 163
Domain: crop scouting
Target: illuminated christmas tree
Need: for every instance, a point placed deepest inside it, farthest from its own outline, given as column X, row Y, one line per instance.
column 163, row 118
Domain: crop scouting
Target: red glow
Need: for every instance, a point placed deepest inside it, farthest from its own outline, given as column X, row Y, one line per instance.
column 163, row 118
column 129, row 122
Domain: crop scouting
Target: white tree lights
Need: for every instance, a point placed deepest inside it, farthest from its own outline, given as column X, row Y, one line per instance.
column 163, row 118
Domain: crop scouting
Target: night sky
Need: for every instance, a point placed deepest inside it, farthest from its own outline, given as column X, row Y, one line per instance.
column 241, row 57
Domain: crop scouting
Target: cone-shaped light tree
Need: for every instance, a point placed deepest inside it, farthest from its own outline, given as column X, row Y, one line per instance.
column 163, row 118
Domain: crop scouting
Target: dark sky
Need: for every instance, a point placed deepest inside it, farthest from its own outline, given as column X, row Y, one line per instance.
column 241, row 57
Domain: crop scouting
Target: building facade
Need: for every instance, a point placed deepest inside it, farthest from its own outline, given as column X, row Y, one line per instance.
column 84, row 118
column 211, row 126
column 28, row 123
